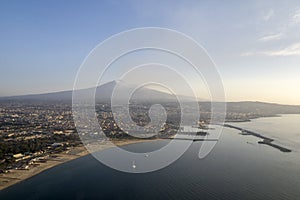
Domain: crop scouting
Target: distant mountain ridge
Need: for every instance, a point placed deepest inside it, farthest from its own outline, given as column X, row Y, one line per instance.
column 104, row 93
column 260, row 108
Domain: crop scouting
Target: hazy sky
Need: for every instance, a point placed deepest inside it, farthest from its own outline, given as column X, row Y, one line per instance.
column 255, row 44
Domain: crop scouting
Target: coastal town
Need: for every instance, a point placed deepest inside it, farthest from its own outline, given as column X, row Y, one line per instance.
column 37, row 135
column 32, row 133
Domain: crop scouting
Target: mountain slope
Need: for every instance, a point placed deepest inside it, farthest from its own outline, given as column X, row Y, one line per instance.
column 103, row 93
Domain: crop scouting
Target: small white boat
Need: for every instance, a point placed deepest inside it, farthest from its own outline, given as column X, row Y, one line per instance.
column 133, row 165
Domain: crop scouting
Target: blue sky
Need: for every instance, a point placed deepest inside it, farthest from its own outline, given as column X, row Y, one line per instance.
column 255, row 44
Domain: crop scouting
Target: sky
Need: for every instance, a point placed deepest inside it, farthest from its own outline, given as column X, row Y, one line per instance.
column 254, row 44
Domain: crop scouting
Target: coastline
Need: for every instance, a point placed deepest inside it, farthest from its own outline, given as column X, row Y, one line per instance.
column 265, row 140
column 16, row 176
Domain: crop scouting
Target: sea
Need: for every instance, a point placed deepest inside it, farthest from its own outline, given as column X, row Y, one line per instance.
column 237, row 168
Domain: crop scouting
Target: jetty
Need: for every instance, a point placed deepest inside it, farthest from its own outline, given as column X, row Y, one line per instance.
column 193, row 139
column 196, row 138
column 265, row 140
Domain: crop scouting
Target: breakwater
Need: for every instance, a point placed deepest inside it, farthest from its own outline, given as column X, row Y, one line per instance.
column 265, row 140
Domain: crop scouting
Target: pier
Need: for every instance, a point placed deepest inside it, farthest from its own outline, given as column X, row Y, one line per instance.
column 265, row 140
column 192, row 139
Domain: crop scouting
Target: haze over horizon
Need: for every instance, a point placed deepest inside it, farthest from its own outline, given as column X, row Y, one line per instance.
column 66, row 93
column 255, row 45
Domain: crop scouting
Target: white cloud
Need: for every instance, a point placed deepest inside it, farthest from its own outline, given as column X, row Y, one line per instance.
column 268, row 15
column 271, row 37
column 248, row 53
column 292, row 50
column 287, row 26
column 295, row 19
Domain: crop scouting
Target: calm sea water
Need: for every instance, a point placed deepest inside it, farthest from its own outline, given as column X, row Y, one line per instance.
column 237, row 168
column 284, row 129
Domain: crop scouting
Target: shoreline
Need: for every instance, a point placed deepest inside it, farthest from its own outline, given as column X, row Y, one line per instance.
column 16, row 176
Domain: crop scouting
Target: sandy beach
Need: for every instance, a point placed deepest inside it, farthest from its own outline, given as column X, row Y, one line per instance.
column 15, row 176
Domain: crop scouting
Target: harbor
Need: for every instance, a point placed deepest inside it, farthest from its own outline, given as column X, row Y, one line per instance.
column 265, row 140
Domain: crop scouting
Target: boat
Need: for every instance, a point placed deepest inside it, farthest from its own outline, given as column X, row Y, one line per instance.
column 244, row 132
column 201, row 133
column 133, row 165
